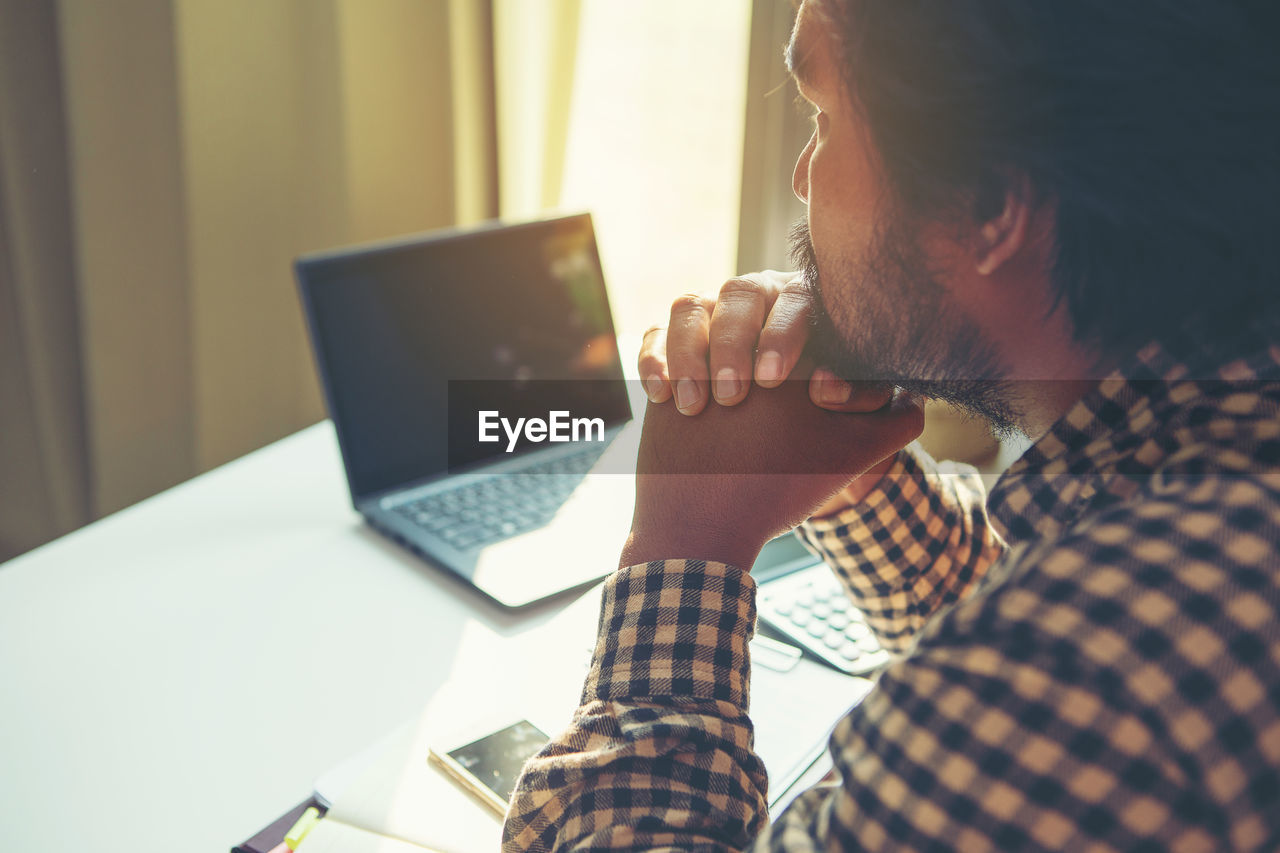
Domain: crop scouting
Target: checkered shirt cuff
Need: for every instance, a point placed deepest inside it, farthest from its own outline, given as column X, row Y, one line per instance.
column 674, row 628
column 921, row 540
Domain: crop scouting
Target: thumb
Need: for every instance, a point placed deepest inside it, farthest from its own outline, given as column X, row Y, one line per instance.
column 830, row 392
column 874, row 436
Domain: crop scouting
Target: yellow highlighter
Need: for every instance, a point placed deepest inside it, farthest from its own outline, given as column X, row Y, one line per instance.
column 294, row 836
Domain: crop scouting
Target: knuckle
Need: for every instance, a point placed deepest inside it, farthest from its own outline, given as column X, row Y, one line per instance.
column 786, row 322
column 687, row 303
column 650, row 360
column 724, row 349
column 739, row 288
column 687, row 329
column 790, row 311
column 652, row 343
column 794, row 289
column 725, row 340
column 654, row 328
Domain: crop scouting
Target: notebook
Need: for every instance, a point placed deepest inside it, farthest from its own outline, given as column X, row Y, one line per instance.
column 474, row 380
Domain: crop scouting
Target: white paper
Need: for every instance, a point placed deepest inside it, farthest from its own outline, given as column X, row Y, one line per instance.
column 331, row 836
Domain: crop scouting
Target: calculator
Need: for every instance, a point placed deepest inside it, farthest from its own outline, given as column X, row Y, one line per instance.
column 799, row 597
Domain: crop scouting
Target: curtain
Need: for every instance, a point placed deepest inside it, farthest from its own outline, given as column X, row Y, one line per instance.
column 536, row 52
column 43, row 468
column 775, row 133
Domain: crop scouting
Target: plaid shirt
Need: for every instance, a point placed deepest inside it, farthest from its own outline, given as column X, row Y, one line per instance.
column 1108, row 680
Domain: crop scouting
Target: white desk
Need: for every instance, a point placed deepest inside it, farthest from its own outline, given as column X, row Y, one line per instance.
column 179, row 674
column 154, row 663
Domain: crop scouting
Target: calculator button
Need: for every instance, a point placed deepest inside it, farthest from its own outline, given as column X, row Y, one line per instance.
column 851, row 651
column 812, row 608
column 856, row 631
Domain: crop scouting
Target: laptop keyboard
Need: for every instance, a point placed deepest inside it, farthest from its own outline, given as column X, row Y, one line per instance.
column 482, row 512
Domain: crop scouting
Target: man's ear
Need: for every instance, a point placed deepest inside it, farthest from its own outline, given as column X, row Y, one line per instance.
column 1004, row 235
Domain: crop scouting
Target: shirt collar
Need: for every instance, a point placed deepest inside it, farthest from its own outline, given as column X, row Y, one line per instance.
column 1116, row 435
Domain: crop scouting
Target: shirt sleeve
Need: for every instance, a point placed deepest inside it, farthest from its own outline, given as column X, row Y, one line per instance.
column 659, row 754
column 920, row 541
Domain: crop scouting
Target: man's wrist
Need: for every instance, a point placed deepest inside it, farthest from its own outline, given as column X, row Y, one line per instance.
column 682, row 542
column 856, row 492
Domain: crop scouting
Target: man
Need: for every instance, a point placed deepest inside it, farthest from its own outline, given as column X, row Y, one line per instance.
column 1062, row 217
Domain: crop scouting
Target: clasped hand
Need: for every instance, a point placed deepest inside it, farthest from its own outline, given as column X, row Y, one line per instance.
column 729, row 466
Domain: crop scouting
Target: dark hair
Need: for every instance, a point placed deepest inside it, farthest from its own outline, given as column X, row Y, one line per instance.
column 1151, row 126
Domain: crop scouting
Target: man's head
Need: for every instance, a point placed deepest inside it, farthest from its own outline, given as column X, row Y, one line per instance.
column 1003, row 190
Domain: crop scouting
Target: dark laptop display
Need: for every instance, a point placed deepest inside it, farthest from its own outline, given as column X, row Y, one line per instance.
column 500, row 313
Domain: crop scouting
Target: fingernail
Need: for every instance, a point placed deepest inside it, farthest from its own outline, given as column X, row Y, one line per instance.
column 832, row 390
column 686, row 394
column 769, row 367
column 653, row 387
column 727, row 384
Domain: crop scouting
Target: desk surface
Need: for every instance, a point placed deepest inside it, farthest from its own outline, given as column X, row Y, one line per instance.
column 169, row 672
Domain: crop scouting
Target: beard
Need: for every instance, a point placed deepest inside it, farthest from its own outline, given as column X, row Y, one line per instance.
column 893, row 322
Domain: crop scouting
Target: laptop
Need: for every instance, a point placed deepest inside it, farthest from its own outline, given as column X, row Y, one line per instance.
column 474, row 380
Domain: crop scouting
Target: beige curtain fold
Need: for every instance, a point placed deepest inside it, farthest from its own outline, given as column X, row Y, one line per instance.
column 475, row 134
column 536, row 48
column 161, row 164
column 44, row 475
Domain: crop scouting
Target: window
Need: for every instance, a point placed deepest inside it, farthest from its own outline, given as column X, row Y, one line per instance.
column 655, row 146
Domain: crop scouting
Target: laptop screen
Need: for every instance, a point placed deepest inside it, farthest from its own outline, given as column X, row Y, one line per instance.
column 413, row 339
